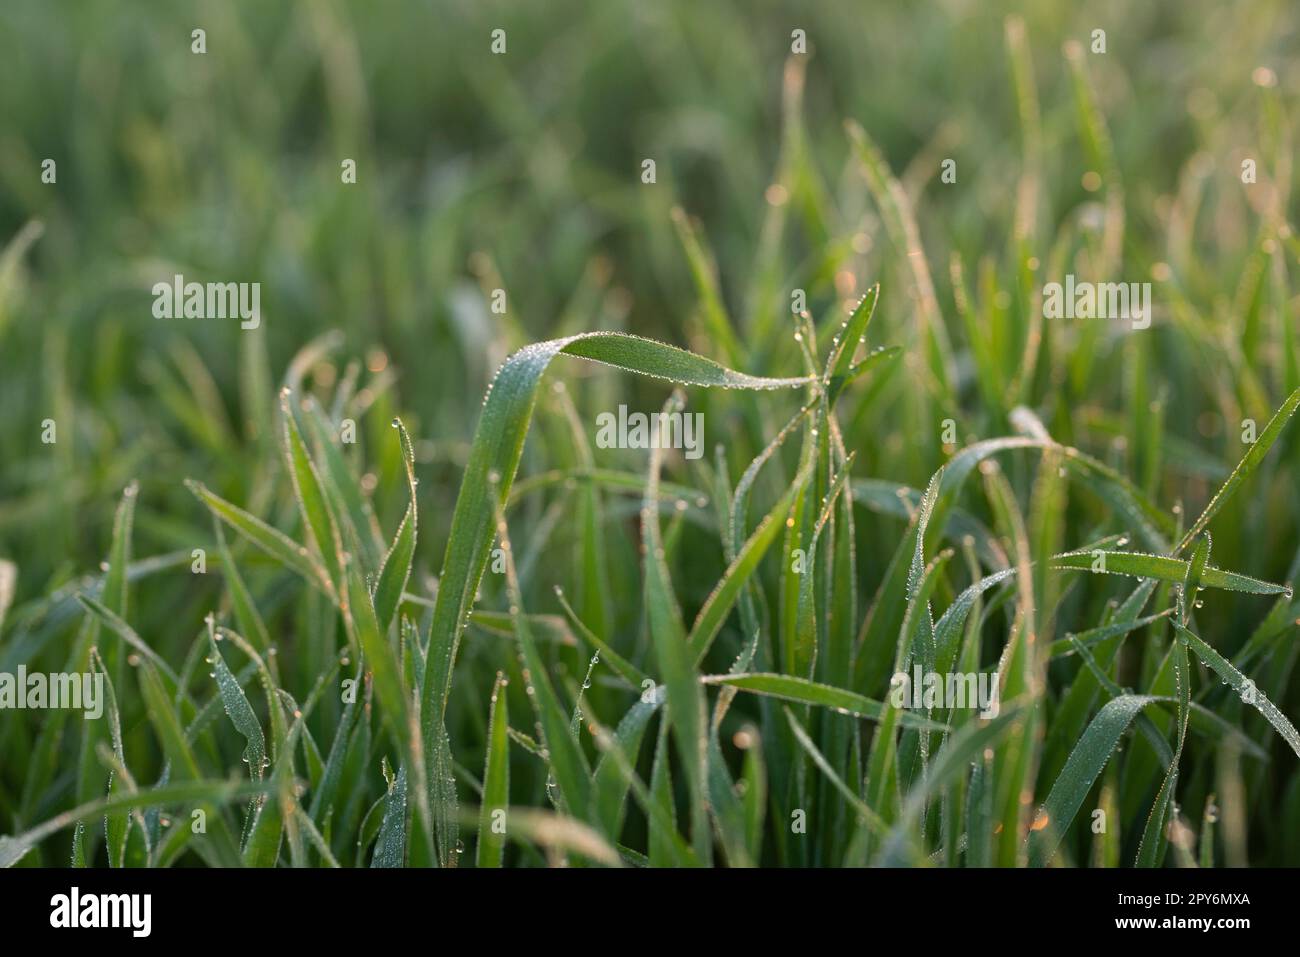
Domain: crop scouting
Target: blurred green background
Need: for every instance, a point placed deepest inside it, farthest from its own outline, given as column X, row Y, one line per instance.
column 521, row 171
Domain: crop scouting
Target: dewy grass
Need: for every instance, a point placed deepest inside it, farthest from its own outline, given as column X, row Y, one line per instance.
column 398, row 609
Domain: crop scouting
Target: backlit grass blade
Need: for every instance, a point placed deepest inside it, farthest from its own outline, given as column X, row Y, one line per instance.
column 119, row 557
column 274, row 820
column 275, row 696
column 561, row 835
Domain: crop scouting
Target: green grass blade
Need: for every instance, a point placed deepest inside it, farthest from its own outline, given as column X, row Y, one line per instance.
column 496, row 780
column 1162, row 568
column 803, row 691
column 272, row 541
column 396, row 570
column 1244, row 686
column 310, row 494
column 1245, row 468
column 1080, row 772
